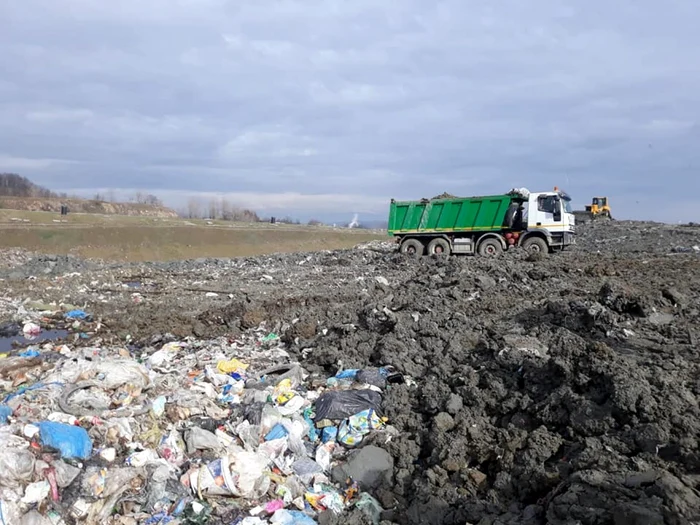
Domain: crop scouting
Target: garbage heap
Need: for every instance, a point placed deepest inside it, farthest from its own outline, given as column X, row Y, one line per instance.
column 192, row 432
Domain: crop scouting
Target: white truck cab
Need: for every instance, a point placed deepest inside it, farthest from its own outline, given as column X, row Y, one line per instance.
column 550, row 213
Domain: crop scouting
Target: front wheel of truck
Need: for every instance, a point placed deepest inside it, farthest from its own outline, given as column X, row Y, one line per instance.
column 536, row 245
column 490, row 247
column 412, row 247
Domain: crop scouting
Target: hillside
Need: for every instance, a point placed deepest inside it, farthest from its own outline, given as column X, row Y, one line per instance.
column 19, row 193
column 85, row 206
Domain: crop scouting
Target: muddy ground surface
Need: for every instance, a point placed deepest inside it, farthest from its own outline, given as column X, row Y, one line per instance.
column 562, row 390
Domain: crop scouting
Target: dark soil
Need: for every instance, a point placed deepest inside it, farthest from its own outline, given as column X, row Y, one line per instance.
column 556, row 391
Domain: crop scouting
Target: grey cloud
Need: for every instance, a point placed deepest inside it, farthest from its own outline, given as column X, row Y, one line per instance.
column 363, row 99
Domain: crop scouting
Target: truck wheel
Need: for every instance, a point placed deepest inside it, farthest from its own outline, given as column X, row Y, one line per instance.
column 439, row 246
column 535, row 245
column 490, row 248
column 412, row 247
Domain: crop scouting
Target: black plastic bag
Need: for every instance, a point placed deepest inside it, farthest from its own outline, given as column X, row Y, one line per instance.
column 379, row 377
column 345, row 403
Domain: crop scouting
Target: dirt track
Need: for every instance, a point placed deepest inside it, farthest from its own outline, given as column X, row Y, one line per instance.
column 557, row 391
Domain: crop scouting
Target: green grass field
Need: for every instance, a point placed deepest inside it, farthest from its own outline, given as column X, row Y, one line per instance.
column 124, row 238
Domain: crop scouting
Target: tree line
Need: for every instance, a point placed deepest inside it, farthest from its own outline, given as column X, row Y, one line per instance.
column 13, row 185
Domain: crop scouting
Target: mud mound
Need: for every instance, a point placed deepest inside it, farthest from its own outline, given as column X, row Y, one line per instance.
column 547, row 391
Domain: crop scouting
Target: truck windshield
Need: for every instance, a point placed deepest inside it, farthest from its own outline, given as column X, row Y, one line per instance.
column 567, row 206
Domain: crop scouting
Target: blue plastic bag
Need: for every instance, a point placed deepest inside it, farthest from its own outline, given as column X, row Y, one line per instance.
column 5, row 412
column 30, row 352
column 291, row 517
column 329, row 434
column 277, row 432
column 69, row 440
column 347, row 374
column 313, row 433
column 76, row 314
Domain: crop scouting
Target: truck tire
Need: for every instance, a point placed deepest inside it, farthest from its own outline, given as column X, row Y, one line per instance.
column 536, row 245
column 490, row 247
column 439, row 246
column 412, row 247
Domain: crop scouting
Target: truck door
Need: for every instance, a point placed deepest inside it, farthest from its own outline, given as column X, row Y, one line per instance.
column 548, row 212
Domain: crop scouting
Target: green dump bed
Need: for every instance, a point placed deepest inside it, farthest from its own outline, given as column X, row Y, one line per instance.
column 448, row 215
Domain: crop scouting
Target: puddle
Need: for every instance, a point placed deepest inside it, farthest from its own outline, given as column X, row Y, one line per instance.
column 44, row 337
column 133, row 284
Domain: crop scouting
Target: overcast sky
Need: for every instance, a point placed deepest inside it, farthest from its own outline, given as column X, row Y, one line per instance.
column 328, row 107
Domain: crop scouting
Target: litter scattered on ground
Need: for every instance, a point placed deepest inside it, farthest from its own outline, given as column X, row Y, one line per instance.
column 185, row 432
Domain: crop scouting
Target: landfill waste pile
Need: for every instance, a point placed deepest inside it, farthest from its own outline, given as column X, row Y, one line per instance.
column 357, row 387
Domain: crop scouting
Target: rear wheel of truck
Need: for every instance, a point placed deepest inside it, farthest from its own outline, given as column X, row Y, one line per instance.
column 535, row 245
column 412, row 247
column 490, row 248
column 439, row 246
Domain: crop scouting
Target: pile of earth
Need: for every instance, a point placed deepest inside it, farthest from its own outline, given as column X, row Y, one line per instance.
column 560, row 390
column 554, row 391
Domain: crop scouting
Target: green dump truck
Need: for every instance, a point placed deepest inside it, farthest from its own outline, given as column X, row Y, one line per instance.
column 539, row 222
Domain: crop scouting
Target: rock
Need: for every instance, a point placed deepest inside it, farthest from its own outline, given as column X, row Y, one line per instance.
column 628, row 514
column 371, row 467
column 676, row 297
column 444, row 422
column 477, row 477
column 485, row 282
column 641, row 478
column 454, row 404
column 660, row 319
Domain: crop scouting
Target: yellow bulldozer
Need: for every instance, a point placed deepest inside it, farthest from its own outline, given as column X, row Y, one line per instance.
column 598, row 209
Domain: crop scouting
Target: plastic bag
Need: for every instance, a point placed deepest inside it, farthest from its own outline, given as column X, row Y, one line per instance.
column 65, row 473
column 142, row 458
column 31, row 329
column 370, row 507
column 160, row 357
column 108, row 373
column 199, row 439
column 77, row 314
column 324, row 455
column 117, row 482
column 239, row 474
column 172, row 448
column 277, row 432
column 249, row 434
column 269, row 418
column 347, row 374
column 33, row 517
column 329, row 434
column 36, row 492
column 5, row 412
column 69, row 440
column 378, row 377
column 345, row 403
column 291, row 517
column 16, row 467
column 292, row 403
column 232, row 366
column 306, row 469
column 352, row 431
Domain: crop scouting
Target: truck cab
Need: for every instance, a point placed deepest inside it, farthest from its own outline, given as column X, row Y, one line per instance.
column 550, row 214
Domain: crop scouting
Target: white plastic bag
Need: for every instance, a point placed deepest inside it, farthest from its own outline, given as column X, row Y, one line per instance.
column 16, row 467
